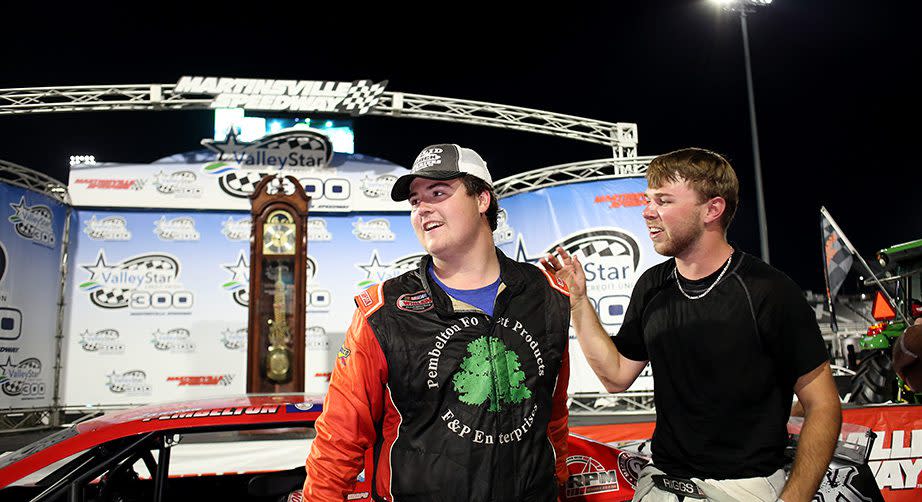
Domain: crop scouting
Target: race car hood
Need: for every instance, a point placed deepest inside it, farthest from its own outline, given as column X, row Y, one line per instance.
column 240, row 411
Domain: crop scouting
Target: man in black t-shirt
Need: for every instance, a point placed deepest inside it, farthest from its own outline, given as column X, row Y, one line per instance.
column 730, row 341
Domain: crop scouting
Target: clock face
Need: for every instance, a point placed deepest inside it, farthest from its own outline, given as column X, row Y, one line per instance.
column 279, row 234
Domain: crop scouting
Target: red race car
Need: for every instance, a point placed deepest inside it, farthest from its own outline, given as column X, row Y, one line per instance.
column 254, row 447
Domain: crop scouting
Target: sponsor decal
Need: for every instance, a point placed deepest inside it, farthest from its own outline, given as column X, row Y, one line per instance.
column 110, row 228
column 129, row 383
column 481, row 378
column 365, row 298
column 181, row 228
column 33, row 223
column 464, row 431
column 610, row 258
column 10, row 323
column 22, row 379
column 417, row 302
column 104, row 341
column 234, row 411
column 897, row 467
column 317, row 230
column 622, row 200
column 630, row 466
column 146, row 284
column 239, row 284
column 303, row 407
column 343, row 354
column 174, row 341
column 588, row 476
column 300, row 149
column 503, row 233
column 356, row 98
column 181, row 184
column 206, row 380
column 112, row 184
column 237, row 230
column 427, row 158
column 234, row 339
column 377, row 187
column 490, row 374
column 9, row 350
column 357, row 496
column 375, row 271
column 681, row 487
column 377, row 229
column 838, row 485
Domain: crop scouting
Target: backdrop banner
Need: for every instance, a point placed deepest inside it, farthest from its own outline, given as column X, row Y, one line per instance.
column 157, row 298
column 31, row 231
column 601, row 223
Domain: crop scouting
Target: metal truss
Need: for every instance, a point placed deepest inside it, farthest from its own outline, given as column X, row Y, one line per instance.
column 26, row 420
column 624, row 403
column 620, row 136
column 91, row 98
column 587, row 170
column 23, row 177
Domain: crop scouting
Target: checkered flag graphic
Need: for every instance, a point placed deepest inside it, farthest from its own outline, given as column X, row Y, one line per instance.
column 601, row 243
column 836, row 258
column 240, row 184
column 362, row 96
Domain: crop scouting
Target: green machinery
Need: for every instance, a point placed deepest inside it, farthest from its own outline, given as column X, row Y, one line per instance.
column 874, row 380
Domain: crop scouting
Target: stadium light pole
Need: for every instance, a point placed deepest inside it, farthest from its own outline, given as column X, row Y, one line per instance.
column 744, row 7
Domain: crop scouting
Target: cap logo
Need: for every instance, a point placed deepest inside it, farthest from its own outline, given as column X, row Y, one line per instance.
column 427, row 158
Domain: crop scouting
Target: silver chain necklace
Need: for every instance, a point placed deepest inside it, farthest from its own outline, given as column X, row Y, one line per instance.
column 678, row 283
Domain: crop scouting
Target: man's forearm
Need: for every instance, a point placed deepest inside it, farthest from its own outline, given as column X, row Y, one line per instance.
column 600, row 352
column 814, row 452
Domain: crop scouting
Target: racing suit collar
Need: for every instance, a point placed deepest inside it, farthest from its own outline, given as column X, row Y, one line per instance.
column 512, row 281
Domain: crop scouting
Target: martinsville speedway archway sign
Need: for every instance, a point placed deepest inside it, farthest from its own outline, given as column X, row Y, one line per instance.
column 358, row 97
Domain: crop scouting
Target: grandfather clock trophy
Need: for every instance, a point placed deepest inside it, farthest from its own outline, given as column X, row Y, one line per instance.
column 278, row 276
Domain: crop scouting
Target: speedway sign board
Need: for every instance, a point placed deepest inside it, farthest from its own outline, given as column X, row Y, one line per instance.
column 355, row 98
column 340, row 183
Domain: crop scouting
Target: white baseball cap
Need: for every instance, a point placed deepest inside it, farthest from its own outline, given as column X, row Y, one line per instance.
column 442, row 162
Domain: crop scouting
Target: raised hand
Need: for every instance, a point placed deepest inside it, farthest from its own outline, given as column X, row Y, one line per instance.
column 568, row 269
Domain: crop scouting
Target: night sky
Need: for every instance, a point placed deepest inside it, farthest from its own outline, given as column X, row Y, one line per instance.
column 837, row 99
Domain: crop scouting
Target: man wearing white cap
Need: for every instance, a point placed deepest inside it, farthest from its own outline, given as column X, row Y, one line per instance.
column 455, row 373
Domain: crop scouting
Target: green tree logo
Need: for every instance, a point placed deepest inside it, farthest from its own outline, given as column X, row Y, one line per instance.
column 490, row 372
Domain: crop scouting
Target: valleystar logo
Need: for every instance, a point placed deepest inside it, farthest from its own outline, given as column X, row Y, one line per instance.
column 110, row 228
column 181, row 228
column 296, row 149
column 34, row 223
column 143, row 281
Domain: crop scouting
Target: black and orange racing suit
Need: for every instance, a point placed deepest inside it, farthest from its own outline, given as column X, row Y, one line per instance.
column 458, row 405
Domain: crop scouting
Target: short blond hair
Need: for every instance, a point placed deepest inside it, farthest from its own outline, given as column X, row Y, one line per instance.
column 708, row 173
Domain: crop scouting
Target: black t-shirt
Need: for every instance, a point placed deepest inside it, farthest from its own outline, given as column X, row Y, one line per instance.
column 724, row 366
